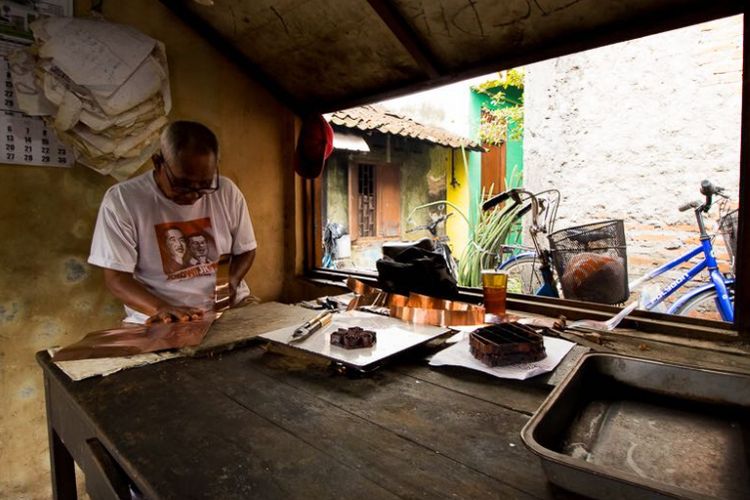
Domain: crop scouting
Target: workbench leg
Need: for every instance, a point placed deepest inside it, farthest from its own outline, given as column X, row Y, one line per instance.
column 62, row 467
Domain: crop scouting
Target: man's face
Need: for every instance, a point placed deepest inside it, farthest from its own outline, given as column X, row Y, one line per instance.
column 198, row 246
column 185, row 172
column 175, row 243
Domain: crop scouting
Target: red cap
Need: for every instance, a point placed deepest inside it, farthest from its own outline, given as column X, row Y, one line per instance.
column 314, row 146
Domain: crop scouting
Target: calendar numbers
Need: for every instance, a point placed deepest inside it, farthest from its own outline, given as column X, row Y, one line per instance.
column 26, row 139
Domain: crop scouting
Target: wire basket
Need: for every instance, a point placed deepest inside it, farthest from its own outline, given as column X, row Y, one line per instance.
column 728, row 230
column 591, row 262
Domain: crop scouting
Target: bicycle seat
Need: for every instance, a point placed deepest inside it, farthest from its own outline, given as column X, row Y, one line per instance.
column 393, row 248
column 589, row 237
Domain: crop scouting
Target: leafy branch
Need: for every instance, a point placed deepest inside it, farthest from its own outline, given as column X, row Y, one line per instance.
column 504, row 120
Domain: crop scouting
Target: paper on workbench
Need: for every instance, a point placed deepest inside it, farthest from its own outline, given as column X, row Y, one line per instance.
column 459, row 355
column 80, row 369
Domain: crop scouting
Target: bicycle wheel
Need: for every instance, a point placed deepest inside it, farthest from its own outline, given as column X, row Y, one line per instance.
column 704, row 305
column 524, row 274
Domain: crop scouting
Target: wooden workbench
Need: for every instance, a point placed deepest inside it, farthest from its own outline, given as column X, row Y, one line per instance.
column 251, row 423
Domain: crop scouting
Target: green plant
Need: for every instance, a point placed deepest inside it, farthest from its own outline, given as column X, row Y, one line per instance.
column 490, row 232
column 504, row 119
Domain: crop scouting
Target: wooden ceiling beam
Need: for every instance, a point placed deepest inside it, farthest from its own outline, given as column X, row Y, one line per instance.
column 655, row 22
column 231, row 52
column 406, row 36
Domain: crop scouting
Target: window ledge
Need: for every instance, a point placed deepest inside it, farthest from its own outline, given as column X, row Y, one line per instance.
column 644, row 322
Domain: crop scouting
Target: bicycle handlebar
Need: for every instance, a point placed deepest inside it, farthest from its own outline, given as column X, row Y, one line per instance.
column 497, row 199
column 432, row 225
column 688, row 206
column 708, row 189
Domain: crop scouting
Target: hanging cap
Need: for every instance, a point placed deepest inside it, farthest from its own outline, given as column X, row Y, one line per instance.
column 314, row 146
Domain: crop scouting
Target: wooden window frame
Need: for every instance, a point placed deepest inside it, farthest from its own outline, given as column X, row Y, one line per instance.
column 645, row 321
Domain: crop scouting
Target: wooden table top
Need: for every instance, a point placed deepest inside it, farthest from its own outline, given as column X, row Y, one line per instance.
column 251, row 423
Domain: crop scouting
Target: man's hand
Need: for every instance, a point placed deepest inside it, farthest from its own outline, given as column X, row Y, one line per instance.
column 126, row 288
column 174, row 314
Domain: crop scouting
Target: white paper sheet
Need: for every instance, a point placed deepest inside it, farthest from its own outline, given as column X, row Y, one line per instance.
column 79, row 369
column 459, row 355
column 30, row 99
column 393, row 336
column 95, row 54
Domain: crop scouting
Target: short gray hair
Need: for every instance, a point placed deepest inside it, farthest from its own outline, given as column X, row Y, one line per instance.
column 188, row 137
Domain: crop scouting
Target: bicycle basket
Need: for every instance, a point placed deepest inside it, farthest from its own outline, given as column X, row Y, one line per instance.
column 591, row 262
column 728, row 230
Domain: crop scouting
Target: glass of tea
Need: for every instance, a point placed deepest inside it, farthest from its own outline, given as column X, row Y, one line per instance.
column 494, row 286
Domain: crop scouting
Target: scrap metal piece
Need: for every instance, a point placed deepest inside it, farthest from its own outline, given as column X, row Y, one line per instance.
column 507, row 343
column 137, row 339
column 353, row 338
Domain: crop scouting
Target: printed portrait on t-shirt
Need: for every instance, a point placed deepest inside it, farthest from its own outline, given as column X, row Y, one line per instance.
column 187, row 248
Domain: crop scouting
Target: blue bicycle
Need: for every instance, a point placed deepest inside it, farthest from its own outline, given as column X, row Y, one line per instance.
column 532, row 268
column 718, row 295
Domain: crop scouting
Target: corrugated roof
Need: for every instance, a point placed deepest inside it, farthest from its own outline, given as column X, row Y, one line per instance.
column 377, row 118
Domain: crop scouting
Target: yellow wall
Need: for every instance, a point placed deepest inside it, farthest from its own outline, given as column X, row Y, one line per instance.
column 50, row 296
column 457, row 228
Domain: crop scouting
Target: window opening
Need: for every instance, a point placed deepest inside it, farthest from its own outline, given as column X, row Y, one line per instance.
column 366, row 203
column 596, row 142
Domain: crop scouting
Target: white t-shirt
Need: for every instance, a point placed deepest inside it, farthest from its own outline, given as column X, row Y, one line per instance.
column 171, row 249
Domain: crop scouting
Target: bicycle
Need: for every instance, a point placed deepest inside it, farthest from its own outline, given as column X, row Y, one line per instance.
column 530, row 268
column 524, row 266
column 591, row 258
column 439, row 243
column 719, row 293
column 331, row 234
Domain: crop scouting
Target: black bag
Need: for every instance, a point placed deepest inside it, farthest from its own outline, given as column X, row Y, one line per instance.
column 415, row 268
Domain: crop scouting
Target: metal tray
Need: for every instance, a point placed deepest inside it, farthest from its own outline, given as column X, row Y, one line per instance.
column 623, row 427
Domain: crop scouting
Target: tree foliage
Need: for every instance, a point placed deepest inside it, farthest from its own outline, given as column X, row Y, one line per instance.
column 502, row 121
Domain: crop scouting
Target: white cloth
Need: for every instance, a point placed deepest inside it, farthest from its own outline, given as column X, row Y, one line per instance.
column 171, row 249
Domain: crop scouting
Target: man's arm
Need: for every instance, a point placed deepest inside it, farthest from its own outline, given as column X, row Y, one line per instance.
column 133, row 294
column 239, row 267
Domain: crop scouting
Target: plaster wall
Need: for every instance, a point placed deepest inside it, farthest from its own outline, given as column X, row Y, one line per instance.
column 50, row 296
column 630, row 130
column 446, row 107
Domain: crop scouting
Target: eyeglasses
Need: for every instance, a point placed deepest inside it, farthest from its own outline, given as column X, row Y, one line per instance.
column 180, row 186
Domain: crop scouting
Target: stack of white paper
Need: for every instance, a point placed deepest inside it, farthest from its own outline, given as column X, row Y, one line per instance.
column 103, row 86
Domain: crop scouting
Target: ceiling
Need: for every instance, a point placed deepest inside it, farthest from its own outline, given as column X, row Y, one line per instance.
column 325, row 55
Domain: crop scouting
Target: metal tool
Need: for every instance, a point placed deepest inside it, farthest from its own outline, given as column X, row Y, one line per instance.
column 312, row 326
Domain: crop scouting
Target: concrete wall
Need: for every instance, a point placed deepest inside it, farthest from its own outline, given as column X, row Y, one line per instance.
column 446, row 107
column 629, row 131
column 50, row 296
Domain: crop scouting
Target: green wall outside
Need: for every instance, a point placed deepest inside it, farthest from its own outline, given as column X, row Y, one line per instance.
column 513, row 153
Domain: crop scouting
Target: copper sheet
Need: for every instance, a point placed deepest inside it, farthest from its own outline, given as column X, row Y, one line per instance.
column 137, row 339
column 440, row 317
column 222, row 290
column 417, row 308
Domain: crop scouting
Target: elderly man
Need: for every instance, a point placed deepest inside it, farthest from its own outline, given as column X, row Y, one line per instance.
column 139, row 239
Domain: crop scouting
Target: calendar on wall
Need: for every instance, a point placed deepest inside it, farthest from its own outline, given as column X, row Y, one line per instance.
column 26, row 140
